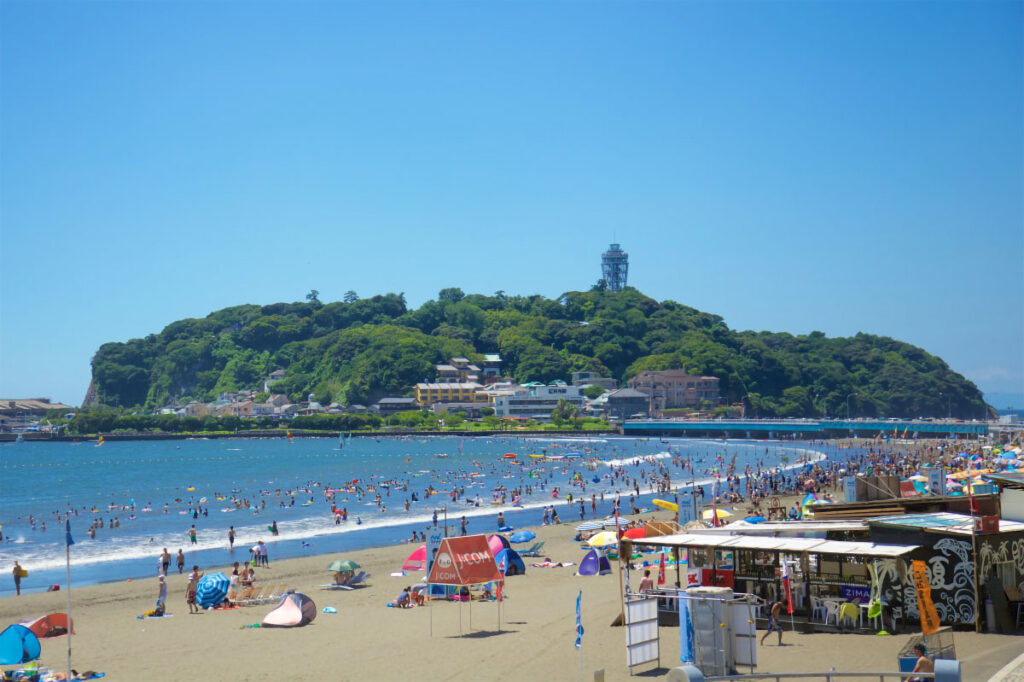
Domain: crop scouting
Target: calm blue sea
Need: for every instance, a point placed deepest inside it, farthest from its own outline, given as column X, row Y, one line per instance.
column 167, row 481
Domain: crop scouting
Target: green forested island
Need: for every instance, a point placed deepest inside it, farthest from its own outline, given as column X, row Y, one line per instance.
column 359, row 349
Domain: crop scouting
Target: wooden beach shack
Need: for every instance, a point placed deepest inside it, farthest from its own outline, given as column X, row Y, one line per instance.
column 969, row 559
column 825, row 573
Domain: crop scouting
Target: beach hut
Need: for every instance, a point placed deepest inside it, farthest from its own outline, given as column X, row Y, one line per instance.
column 510, row 562
column 18, row 644
column 295, row 609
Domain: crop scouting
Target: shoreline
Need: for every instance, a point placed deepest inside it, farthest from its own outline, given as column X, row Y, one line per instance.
column 529, row 636
column 369, row 536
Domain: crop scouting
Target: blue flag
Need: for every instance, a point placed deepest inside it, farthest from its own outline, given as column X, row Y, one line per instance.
column 579, row 621
column 67, row 533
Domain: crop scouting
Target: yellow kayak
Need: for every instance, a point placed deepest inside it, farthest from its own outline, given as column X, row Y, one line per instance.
column 670, row 506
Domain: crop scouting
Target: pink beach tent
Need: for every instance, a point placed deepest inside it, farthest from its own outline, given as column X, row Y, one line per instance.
column 293, row 610
column 497, row 543
column 417, row 561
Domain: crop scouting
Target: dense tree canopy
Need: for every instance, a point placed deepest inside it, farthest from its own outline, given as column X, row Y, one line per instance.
column 359, row 349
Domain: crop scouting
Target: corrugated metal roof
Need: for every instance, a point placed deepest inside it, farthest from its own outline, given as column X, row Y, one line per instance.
column 787, row 527
column 790, row 545
column 949, row 522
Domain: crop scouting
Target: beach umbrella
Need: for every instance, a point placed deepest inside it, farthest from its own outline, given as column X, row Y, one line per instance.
column 211, row 589
column 611, row 521
column 340, row 565
column 590, row 525
column 635, row 533
column 522, row 536
column 710, row 513
column 919, row 478
column 603, row 539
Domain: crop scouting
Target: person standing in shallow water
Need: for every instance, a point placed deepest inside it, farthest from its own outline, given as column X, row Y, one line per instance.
column 231, row 537
column 192, row 534
column 181, row 561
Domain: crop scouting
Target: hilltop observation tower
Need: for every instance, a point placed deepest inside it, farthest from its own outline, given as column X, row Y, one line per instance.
column 614, row 268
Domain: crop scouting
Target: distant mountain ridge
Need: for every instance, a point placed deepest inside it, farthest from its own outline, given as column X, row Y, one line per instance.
column 357, row 350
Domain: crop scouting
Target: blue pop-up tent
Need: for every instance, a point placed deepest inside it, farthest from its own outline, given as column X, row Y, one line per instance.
column 594, row 564
column 18, row 644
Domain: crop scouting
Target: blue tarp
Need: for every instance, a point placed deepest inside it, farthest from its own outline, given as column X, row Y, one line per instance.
column 18, row 644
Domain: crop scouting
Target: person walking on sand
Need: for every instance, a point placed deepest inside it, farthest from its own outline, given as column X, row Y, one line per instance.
column 17, row 578
column 191, row 534
column 181, row 561
column 165, row 561
column 773, row 621
column 264, row 556
column 190, row 590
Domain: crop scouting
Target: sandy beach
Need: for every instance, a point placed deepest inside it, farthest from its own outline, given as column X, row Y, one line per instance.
column 365, row 640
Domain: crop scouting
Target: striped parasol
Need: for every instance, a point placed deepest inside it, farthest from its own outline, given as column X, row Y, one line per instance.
column 610, row 521
column 590, row 525
column 211, row 589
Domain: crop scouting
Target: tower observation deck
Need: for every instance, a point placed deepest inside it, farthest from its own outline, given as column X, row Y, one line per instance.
column 615, row 268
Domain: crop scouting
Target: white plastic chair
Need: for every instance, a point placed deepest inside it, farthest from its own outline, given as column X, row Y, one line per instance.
column 818, row 609
column 831, row 610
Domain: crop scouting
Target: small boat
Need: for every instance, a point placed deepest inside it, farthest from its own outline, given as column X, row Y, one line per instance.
column 510, row 455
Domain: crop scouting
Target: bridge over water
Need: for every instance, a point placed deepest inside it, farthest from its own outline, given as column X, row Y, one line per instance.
column 805, row 428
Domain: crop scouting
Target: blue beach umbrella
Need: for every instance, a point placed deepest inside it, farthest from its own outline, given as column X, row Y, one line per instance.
column 522, row 536
column 622, row 521
column 755, row 519
column 212, row 589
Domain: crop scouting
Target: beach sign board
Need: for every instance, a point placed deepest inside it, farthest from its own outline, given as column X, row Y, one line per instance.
column 464, row 561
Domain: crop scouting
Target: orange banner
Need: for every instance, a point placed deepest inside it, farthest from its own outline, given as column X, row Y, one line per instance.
column 929, row 616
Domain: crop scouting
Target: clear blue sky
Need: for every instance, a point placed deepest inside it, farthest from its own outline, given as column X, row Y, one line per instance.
column 837, row 166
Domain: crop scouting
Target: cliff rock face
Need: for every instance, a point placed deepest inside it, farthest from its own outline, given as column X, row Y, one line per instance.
column 357, row 350
column 91, row 395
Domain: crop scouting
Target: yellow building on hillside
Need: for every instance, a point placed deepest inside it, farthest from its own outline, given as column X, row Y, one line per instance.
column 428, row 394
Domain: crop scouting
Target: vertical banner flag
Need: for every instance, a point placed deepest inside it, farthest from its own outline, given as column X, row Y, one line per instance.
column 661, row 570
column 929, row 616
column 785, row 584
column 67, row 533
column 579, row 621
column 686, row 646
